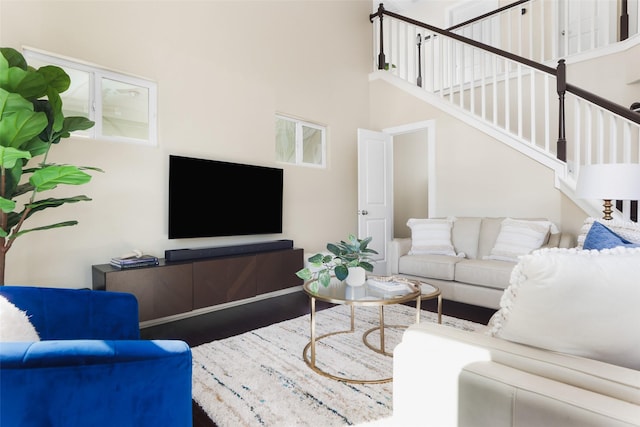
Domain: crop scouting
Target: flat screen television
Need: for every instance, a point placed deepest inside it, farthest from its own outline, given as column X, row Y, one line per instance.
column 209, row 198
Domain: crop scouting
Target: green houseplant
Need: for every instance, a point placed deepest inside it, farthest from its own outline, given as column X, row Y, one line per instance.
column 341, row 257
column 31, row 122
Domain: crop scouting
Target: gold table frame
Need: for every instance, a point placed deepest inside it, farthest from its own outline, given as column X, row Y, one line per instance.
column 336, row 294
column 436, row 293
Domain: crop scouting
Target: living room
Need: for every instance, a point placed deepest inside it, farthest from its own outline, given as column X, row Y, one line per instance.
column 217, row 58
column 224, row 69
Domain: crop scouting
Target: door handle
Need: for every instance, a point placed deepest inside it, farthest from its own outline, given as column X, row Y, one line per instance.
column 363, row 212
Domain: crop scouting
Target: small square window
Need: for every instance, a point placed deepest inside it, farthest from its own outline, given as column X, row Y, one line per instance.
column 300, row 142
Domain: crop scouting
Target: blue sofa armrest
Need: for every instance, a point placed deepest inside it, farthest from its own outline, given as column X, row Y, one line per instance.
column 59, row 314
column 95, row 383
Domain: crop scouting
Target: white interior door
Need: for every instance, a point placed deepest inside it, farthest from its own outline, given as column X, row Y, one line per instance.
column 375, row 192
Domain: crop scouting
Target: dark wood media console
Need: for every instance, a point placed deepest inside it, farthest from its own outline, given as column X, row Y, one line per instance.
column 180, row 287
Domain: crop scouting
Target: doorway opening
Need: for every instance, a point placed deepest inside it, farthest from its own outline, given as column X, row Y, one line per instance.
column 413, row 174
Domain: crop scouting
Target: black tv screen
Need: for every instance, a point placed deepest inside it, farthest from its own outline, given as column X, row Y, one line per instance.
column 209, row 198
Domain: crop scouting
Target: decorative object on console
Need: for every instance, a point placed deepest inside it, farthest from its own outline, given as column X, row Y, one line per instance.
column 172, row 255
column 577, row 302
column 612, row 181
column 342, row 256
column 32, row 121
column 141, row 260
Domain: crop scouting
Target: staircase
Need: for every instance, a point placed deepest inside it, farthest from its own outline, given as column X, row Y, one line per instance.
column 516, row 93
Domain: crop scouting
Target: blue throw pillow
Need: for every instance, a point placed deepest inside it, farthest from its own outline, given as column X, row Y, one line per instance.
column 601, row 237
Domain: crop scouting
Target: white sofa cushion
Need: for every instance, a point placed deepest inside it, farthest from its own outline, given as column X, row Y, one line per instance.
column 519, row 237
column 429, row 266
column 488, row 273
column 431, row 236
column 578, row 302
column 465, row 234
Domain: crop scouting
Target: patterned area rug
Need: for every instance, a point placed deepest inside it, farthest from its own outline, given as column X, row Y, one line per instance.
column 260, row 378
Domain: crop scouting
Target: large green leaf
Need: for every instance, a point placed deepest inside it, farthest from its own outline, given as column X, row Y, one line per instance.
column 19, row 122
column 9, row 156
column 12, row 58
column 14, row 217
column 50, row 177
column 7, row 205
column 46, row 227
column 55, row 78
column 12, row 102
column 28, row 84
column 12, row 179
column 18, row 127
column 36, row 146
column 56, row 108
column 74, row 123
column 52, row 203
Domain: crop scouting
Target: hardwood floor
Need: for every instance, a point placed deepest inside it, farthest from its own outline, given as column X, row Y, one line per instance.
column 237, row 320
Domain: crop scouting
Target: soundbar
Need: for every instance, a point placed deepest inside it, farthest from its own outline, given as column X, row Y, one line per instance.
column 173, row 255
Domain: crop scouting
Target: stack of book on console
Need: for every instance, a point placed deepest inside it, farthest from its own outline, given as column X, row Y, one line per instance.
column 134, row 261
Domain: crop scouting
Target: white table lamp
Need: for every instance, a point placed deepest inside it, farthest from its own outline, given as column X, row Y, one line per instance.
column 612, row 181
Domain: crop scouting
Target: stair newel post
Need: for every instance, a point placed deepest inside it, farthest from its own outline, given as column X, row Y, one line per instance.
column 381, row 58
column 419, row 43
column 561, row 81
column 624, row 20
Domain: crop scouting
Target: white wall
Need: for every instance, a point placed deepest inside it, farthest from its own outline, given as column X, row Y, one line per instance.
column 223, row 68
column 410, row 180
column 475, row 174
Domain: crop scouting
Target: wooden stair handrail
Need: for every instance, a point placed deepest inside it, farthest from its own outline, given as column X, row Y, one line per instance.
column 488, row 14
column 591, row 97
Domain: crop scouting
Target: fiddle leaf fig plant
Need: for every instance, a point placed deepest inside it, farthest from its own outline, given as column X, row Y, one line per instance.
column 342, row 255
column 31, row 122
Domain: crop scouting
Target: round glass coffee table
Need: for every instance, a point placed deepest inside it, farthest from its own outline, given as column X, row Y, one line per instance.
column 377, row 291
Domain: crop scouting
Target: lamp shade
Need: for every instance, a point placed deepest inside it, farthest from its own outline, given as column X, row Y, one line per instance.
column 612, row 181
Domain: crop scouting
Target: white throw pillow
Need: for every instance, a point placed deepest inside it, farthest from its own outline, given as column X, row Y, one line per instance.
column 578, row 302
column 431, row 236
column 15, row 324
column 519, row 237
column 628, row 230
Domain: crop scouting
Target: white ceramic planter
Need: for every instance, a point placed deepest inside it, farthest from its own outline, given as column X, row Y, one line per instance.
column 357, row 276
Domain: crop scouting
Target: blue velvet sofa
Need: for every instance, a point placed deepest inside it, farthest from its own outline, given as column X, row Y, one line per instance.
column 90, row 367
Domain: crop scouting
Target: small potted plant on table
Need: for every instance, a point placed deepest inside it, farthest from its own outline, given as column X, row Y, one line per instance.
column 348, row 261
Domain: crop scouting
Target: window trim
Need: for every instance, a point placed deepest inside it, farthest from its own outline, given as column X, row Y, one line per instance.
column 96, row 76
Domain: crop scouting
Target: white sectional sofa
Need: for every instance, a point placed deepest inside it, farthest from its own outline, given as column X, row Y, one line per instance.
column 563, row 350
column 467, row 264
column 446, row 377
